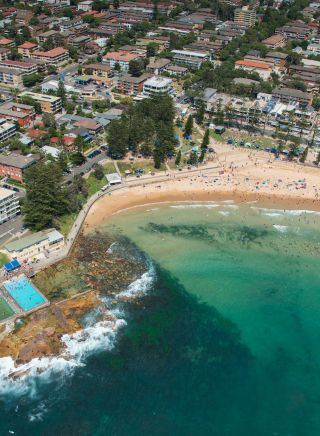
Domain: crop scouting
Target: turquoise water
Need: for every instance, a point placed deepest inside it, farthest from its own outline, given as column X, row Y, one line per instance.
column 24, row 293
column 224, row 342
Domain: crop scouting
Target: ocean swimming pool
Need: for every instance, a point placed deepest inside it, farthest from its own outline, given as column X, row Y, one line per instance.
column 22, row 291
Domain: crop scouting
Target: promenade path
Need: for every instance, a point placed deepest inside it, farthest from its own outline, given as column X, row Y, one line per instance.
column 131, row 183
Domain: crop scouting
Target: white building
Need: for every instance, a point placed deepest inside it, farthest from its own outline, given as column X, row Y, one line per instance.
column 85, row 6
column 9, row 205
column 6, row 129
column 157, row 85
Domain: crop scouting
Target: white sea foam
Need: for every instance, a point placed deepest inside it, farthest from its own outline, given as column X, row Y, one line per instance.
column 283, row 212
column 24, row 379
column 231, row 206
column 273, row 214
column 281, row 229
column 195, row 206
column 112, row 247
column 224, row 212
column 140, row 286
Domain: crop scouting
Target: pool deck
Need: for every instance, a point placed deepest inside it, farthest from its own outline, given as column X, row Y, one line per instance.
column 18, row 311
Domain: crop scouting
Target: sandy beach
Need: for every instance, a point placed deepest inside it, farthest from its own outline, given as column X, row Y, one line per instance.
column 241, row 175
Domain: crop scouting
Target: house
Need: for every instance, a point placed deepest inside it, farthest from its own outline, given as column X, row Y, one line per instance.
column 34, row 246
column 51, row 151
column 92, row 126
column 275, row 41
column 100, row 73
column 119, row 58
column 23, row 17
column 56, row 56
column 22, row 114
column 5, row 42
column 48, row 103
column 158, row 66
column 27, row 48
column 113, row 179
column 157, row 86
column 278, row 58
column 14, row 165
column 131, row 85
column 85, row 6
column 9, row 205
column 263, row 69
column 176, row 70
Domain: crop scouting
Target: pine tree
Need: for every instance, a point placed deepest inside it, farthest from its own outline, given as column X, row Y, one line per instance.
column 200, row 114
column 202, row 155
column 61, row 92
column 205, row 140
column 304, row 155
column 188, row 128
column 178, row 158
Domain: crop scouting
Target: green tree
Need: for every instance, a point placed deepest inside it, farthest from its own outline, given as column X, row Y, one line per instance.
column 293, row 151
column 77, row 158
column 202, row 155
column 188, row 128
column 98, row 172
column 200, row 113
column 205, row 140
column 136, row 67
column 61, row 92
column 318, row 158
column 118, row 138
column 31, row 79
column 79, row 143
column 49, row 120
column 193, row 158
column 45, row 199
column 178, row 158
column 116, row 4
column 304, row 155
column 151, row 50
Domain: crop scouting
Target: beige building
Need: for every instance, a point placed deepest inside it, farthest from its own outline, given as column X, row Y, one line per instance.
column 245, row 16
column 34, row 246
column 48, row 103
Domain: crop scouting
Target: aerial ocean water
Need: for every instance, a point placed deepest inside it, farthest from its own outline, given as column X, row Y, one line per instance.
column 219, row 336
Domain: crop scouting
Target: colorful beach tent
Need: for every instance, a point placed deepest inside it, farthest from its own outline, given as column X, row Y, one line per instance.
column 10, row 266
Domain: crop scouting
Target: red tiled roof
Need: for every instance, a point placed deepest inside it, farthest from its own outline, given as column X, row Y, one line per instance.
column 27, row 45
column 16, row 64
column 51, row 53
column 5, row 41
column 253, row 64
column 120, row 56
column 36, row 133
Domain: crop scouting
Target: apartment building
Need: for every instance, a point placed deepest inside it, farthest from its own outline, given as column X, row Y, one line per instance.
column 157, row 86
column 275, row 41
column 245, row 16
column 121, row 58
column 192, row 59
column 262, row 68
column 23, row 67
column 15, row 165
column 48, row 103
column 56, row 56
column 11, row 77
column 130, row 85
column 9, row 205
column 296, row 30
column 289, row 95
column 22, row 114
column 76, row 24
column 4, row 54
column 50, row 34
column 27, row 48
column 6, row 129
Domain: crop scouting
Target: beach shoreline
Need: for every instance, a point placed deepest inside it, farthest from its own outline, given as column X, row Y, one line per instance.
column 198, row 189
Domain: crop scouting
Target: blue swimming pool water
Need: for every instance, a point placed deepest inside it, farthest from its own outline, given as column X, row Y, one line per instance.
column 24, row 294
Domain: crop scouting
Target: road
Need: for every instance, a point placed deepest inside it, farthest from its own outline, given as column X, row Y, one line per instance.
column 86, row 166
column 10, row 229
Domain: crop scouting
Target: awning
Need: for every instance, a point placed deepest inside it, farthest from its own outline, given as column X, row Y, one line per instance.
column 10, row 266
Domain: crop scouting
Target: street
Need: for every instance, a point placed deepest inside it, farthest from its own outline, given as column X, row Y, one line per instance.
column 10, row 228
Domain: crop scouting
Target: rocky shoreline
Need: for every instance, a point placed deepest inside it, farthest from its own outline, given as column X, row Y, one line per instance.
column 98, row 267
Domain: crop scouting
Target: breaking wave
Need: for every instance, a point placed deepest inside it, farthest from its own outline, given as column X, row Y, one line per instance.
column 25, row 379
column 195, row 206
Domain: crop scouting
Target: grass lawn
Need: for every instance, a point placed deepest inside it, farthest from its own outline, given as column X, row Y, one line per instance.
column 146, row 165
column 3, row 259
column 94, row 185
column 5, row 309
column 264, row 141
column 66, row 222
